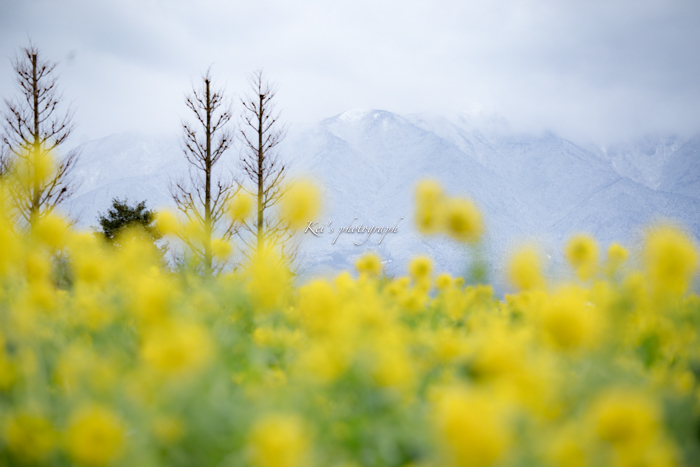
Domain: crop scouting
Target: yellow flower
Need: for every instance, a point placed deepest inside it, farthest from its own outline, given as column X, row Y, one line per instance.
column 671, row 259
column 264, row 336
column 268, row 280
column 582, row 254
column 10, row 249
column 429, row 207
column 221, row 248
column 392, row 367
column 443, row 281
column 463, row 220
column 301, row 204
column 626, row 417
column 369, row 264
column 152, row 299
column 472, row 428
column 414, row 299
column 37, row 267
column 91, row 309
column 569, row 448
column 498, row 356
column 177, row 348
column 420, row 267
column 319, row 306
column 617, row 254
column 34, row 167
column 95, row 436
column 525, row 269
column 570, row 322
column 29, row 437
column 279, row 441
column 242, row 206
column 167, row 222
column 51, row 230
column 322, row 362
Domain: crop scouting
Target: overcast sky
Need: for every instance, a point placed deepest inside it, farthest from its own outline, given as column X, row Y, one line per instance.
column 588, row 69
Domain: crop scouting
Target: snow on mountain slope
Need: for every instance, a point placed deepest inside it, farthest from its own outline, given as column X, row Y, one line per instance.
column 550, row 174
column 644, row 160
column 623, row 209
column 124, row 166
column 368, row 162
column 681, row 173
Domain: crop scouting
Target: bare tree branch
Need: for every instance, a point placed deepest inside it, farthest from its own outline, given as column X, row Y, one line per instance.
column 33, row 128
column 204, row 198
column 264, row 172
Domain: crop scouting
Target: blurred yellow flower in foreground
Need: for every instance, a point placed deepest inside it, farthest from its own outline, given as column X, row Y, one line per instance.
column 429, row 207
column 167, row 222
column 472, row 427
column 625, row 417
column 617, row 254
column 420, row 267
column 221, row 248
column 279, row 441
column 301, row 203
column 268, row 279
column 525, row 268
column 51, row 230
column 582, row 254
column 443, row 281
column 370, row 264
column 95, row 436
column 463, row 220
column 242, row 206
column 177, row 348
column 29, row 437
column 569, row 321
column 671, row 259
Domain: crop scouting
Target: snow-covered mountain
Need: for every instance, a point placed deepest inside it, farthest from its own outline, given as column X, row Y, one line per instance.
column 368, row 162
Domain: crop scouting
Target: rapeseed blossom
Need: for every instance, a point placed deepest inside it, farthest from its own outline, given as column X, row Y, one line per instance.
column 241, row 206
column 30, row 437
column 671, row 259
column 370, row 264
column 300, row 203
column 95, row 436
column 429, row 207
column 525, row 268
column 279, row 441
column 582, row 254
column 109, row 357
column 472, row 426
column 463, row 220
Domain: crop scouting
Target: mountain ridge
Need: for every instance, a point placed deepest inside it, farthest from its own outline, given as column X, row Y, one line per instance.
column 368, row 161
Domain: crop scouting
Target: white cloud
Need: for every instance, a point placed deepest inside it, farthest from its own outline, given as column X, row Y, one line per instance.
column 588, row 70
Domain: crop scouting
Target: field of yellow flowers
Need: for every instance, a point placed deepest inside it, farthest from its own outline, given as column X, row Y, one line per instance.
column 133, row 364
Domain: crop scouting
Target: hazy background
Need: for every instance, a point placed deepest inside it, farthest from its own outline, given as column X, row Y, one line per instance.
column 598, row 71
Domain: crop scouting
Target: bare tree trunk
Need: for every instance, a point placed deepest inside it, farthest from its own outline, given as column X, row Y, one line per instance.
column 204, row 199
column 32, row 129
column 207, row 190
column 264, row 172
column 37, row 144
column 261, row 111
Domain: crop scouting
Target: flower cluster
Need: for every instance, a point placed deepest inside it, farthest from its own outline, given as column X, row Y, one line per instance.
column 124, row 362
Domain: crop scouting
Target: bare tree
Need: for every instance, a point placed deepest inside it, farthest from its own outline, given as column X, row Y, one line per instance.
column 264, row 172
column 204, row 197
column 4, row 160
column 33, row 128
